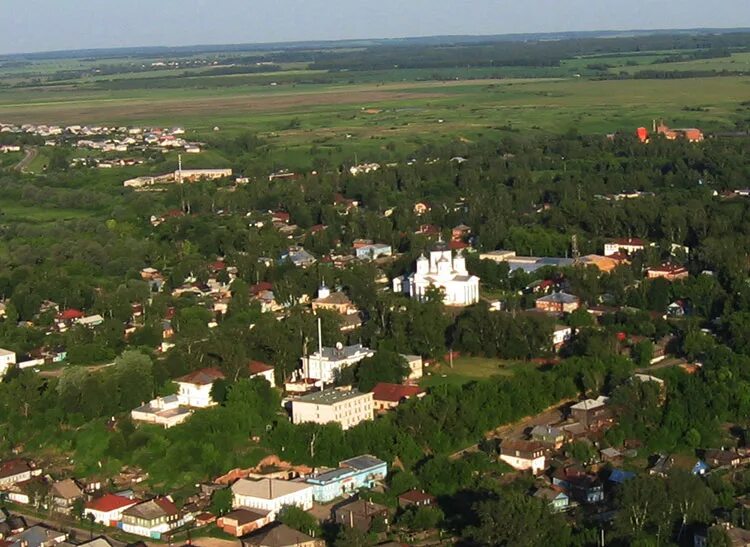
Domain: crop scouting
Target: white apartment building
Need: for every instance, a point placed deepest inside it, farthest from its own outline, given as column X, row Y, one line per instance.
column 344, row 406
column 325, row 363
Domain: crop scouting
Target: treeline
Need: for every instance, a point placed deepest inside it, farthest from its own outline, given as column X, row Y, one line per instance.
column 531, row 53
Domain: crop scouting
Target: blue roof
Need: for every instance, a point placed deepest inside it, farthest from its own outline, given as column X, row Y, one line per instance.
column 330, row 476
column 700, row 466
column 619, row 476
column 361, row 463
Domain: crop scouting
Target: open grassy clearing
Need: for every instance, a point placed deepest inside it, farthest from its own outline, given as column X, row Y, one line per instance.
column 10, row 212
column 466, row 369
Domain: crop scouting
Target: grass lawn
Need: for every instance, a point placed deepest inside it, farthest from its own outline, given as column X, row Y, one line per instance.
column 466, row 369
column 20, row 213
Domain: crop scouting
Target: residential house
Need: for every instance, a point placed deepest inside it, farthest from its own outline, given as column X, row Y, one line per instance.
column 352, row 474
column 624, row 245
column 280, row 535
column 17, row 470
column 662, row 466
column 243, row 521
column 38, row 535
column 107, row 510
column 722, row 458
column 152, row 518
column 337, row 302
column 619, row 476
column 548, row 435
column 590, row 412
column 7, row 359
column 677, row 309
column 325, row 363
column 416, row 498
column 557, row 499
column 460, row 232
column 360, row 514
column 298, row 256
column 668, row 271
column 416, row 366
column 560, row 336
column 579, row 485
column 259, row 369
column 195, row 388
column 271, row 495
column 29, row 492
column 524, row 455
column 700, row 468
column 347, row 407
column 65, row 493
column 389, row 396
column 164, row 411
column 559, row 302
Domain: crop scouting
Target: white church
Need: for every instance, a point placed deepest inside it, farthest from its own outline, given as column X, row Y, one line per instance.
column 442, row 271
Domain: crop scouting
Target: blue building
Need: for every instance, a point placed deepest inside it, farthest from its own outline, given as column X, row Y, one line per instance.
column 351, row 475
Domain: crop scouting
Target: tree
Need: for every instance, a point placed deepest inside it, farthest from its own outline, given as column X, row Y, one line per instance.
column 300, row 520
column 643, row 352
column 352, row 537
column 221, row 502
column 519, row 520
column 384, row 366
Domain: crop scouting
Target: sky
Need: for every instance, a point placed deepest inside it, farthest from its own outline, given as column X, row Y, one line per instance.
column 45, row 25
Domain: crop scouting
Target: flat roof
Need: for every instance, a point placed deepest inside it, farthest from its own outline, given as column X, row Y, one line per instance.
column 330, row 396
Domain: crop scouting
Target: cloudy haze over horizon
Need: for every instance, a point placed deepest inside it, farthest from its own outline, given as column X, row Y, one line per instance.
column 45, row 25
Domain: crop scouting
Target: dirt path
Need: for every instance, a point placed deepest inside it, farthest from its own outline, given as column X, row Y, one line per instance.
column 516, row 430
column 31, row 154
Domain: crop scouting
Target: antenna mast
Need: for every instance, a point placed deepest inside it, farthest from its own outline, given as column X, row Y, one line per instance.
column 574, row 248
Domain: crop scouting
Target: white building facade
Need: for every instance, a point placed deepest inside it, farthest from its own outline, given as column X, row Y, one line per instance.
column 325, row 363
column 443, row 271
column 271, row 495
column 7, row 359
column 346, row 407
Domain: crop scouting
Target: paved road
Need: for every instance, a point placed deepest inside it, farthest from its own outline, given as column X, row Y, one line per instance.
column 31, row 153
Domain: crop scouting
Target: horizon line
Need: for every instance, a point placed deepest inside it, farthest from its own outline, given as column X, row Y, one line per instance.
column 299, row 43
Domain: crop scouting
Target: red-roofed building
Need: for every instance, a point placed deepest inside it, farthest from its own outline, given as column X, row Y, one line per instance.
column 416, row 498
column 388, row 396
column 259, row 369
column 454, row 245
column 195, row 388
column 428, row 230
column 218, row 266
column 71, row 314
column 261, row 287
column 281, row 216
column 108, row 509
column 668, row 271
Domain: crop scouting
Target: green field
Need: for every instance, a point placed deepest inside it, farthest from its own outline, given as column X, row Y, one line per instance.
column 466, row 369
column 382, row 115
column 361, row 117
